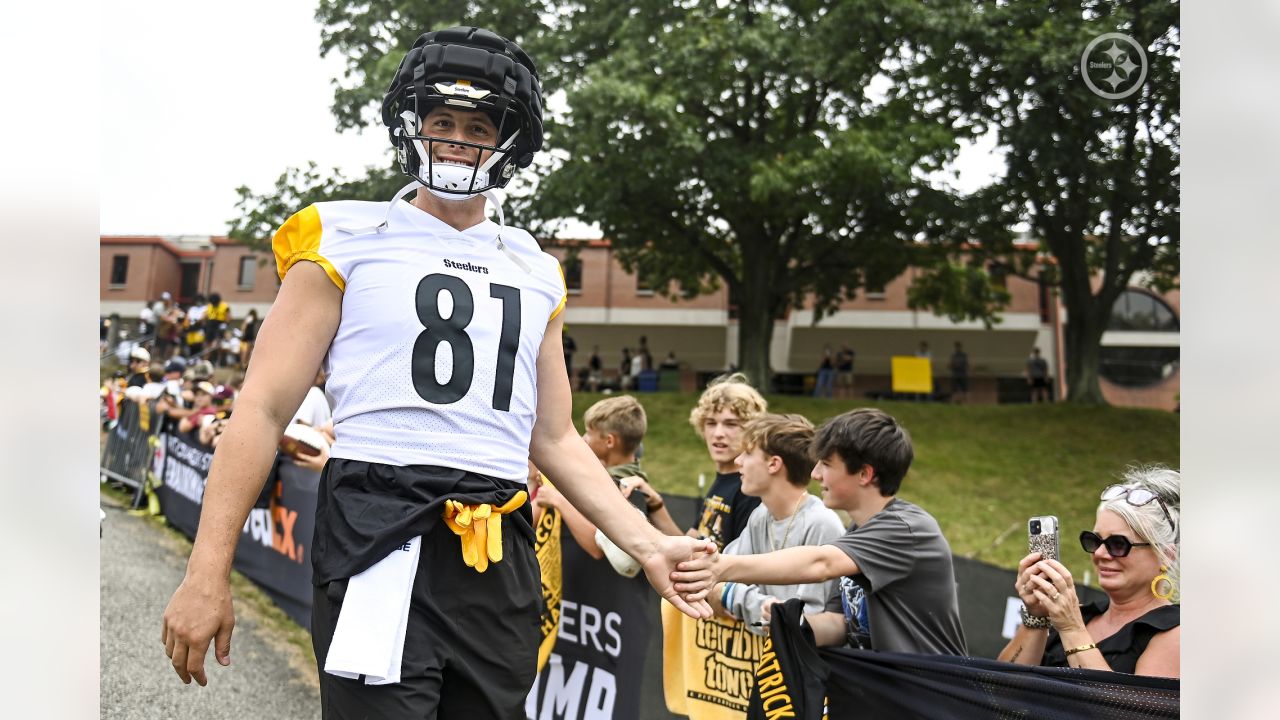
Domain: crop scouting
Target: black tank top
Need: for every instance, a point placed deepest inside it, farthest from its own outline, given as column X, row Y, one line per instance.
column 1122, row 649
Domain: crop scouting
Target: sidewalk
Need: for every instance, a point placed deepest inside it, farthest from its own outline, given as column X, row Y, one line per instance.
column 141, row 565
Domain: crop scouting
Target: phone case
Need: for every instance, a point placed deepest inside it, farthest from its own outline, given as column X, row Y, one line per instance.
column 1045, row 543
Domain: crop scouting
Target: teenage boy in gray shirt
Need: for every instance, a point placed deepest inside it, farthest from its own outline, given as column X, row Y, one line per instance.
column 898, row 590
column 774, row 462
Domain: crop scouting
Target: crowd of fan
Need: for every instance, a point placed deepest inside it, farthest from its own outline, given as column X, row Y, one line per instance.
column 205, row 329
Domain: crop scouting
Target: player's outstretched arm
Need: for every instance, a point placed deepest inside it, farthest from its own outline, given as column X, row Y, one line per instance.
column 562, row 455
column 291, row 344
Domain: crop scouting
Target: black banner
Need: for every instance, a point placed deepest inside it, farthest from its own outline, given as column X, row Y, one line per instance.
column 870, row 684
column 276, row 538
column 597, row 664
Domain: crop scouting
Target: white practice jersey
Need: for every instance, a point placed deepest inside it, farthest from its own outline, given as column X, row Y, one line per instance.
column 434, row 361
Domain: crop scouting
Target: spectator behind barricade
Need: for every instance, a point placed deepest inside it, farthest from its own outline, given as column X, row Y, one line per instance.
column 596, row 573
column 248, row 336
column 670, row 362
column 168, row 317
column 229, row 349
column 211, row 431
column 897, row 587
column 217, row 314
column 201, row 407
column 724, row 407
column 193, row 323
column 775, row 467
column 924, row 351
column 1136, row 629
column 615, row 427
column 824, row 384
column 139, row 367
column 111, row 393
column 146, row 321
column 172, row 403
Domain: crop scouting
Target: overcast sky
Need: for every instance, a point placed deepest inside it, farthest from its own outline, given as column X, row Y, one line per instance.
column 199, row 98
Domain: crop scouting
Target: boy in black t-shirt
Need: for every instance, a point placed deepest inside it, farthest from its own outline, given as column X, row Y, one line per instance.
column 725, row 406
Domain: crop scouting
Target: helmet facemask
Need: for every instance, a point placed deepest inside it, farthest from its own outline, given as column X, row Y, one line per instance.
column 451, row 181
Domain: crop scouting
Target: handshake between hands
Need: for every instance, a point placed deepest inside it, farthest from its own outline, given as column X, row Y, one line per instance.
column 683, row 571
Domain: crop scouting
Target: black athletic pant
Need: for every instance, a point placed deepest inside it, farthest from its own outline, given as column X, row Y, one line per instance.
column 471, row 645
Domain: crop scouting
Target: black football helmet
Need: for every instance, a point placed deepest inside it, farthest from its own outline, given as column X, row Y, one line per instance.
column 472, row 69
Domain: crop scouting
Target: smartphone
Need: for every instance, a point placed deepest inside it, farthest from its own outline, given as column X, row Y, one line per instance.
column 1042, row 536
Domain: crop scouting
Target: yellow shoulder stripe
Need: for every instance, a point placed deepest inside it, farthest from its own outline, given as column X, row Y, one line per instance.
column 299, row 239
column 564, row 298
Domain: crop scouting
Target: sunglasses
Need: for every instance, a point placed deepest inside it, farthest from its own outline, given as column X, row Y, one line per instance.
column 1138, row 497
column 1117, row 545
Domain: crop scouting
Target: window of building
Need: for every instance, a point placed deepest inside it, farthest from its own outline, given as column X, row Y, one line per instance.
column 1130, row 366
column 1135, row 310
column 573, row 274
column 643, row 284
column 874, row 289
column 248, row 271
column 1137, row 366
column 120, row 270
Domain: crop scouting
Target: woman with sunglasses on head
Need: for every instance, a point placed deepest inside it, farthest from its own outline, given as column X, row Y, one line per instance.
column 1134, row 548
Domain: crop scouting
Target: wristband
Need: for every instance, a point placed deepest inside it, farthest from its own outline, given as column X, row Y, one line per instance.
column 1033, row 621
column 726, row 596
column 1082, row 648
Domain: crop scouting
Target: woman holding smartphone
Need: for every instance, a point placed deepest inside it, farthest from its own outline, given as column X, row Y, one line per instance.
column 1134, row 548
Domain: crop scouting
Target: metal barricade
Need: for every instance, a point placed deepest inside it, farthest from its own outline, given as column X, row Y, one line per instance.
column 130, row 447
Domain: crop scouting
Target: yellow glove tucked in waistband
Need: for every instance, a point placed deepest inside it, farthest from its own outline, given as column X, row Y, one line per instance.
column 480, row 528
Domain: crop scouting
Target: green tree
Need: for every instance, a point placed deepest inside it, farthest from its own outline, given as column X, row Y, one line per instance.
column 736, row 144
column 1096, row 179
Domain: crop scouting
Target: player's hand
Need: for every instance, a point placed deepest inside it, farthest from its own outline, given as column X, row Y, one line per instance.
column 198, row 612
column 668, row 552
column 695, row 577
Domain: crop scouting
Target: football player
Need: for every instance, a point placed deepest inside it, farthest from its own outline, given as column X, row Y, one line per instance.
column 440, row 335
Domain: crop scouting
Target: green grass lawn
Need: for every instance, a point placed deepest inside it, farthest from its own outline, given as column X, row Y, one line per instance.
column 981, row 470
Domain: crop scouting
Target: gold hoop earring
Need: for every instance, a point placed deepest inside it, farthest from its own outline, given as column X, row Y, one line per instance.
column 1155, row 585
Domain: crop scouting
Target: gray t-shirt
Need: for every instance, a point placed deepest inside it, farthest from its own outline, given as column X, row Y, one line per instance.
column 904, row 597
column 814, row 524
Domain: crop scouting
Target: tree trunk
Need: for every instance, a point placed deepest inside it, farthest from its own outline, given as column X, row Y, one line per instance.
column 1083, row 348
column 755, row 335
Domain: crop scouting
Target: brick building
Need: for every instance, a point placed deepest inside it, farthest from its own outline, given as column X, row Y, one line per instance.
column 611, row 308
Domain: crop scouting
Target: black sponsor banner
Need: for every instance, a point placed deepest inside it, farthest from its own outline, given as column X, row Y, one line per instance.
column 597, row 665
column 275, row 542
column 183, row 466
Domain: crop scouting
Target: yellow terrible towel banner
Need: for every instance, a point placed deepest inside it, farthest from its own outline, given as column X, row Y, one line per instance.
column 708, row 666
column 546, row 545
